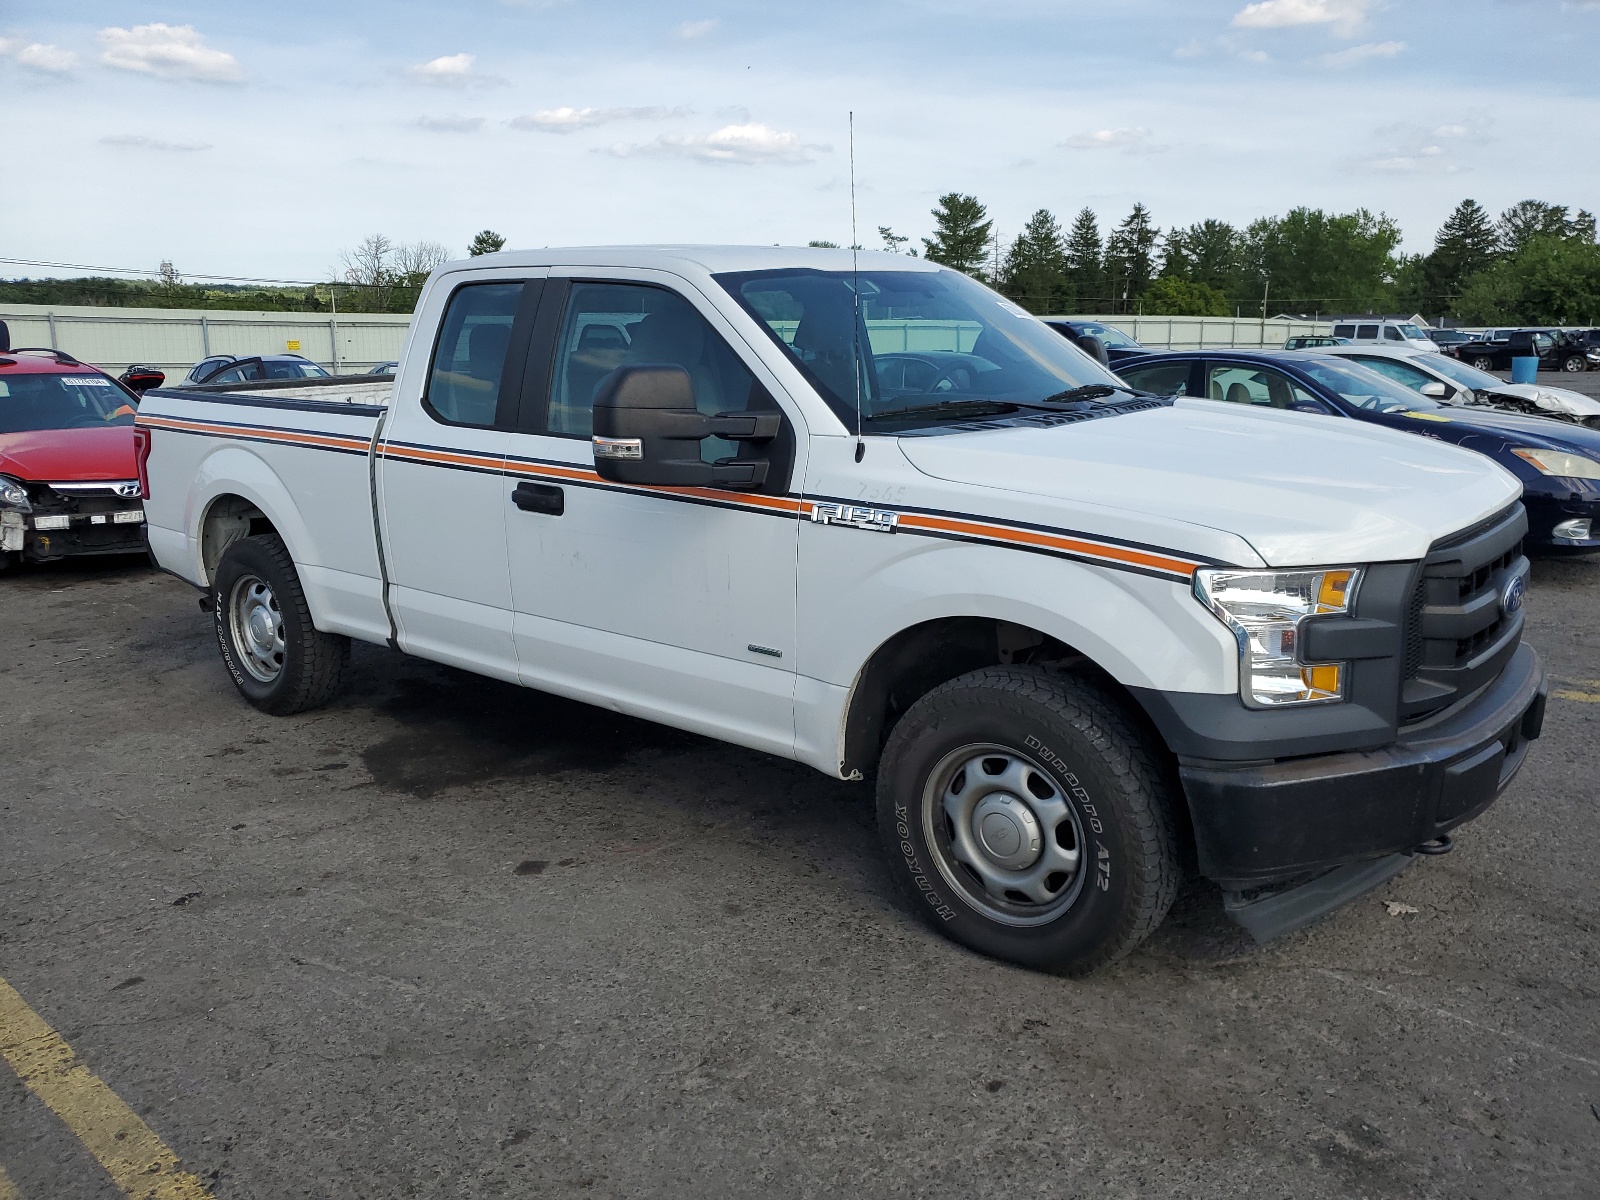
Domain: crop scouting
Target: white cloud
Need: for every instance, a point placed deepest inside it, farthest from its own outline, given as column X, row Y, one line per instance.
column 1134, row 140
column 137, row 141
column 448, row 70
column 1346, row 16
column 746, row 145
column 1365, row 52
column 570, row 120
column 169, row 52
column 690, row 30
column 449, row 124
column 1423, row 150
column 38, row 55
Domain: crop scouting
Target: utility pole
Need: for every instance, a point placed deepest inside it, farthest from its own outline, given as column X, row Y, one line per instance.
column 1265, row 286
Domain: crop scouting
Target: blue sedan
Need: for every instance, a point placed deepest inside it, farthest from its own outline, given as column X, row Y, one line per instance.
column 1558, row 463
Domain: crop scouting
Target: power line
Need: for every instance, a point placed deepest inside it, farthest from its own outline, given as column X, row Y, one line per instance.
column 30, row 262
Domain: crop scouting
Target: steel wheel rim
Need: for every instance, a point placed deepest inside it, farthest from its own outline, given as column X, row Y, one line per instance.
column 255, row 623
column 971, row 798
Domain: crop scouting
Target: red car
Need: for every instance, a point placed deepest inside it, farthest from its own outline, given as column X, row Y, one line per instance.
column 69, row 476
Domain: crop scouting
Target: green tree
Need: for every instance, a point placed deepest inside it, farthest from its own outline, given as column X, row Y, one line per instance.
column 895, row 243
column 1173, row 296
column 1309, row 259
column 1034, row 273
column 486, row 242
column 1130, row 257
column 1553, row 280
column 961, row 229
column 1528, row 219
column 1465, row 244
column 1085, row 263
column 819, row 244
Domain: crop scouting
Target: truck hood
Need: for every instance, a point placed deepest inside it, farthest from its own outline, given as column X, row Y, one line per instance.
column 1301, row 489
column 66, row 455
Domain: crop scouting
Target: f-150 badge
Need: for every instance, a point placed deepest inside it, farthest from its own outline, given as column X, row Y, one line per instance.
column 856, row 516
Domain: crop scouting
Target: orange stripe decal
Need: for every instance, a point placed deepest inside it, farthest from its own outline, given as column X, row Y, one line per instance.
column 1051, row 541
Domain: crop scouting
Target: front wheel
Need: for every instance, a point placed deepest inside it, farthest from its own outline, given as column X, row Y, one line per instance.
column 1028, row 820
column 1573, row 364
column 279, row 660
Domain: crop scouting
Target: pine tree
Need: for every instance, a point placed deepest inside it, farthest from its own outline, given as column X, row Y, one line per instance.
column 1465, row 244
column 487, row 242
column 1085, row 263
column 1130, row 256
column 1035, row 270
column 961, row 231
column 1528, row 219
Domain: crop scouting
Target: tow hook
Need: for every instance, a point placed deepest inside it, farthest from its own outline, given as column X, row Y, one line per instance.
column 207, row 606
column 1442, row 844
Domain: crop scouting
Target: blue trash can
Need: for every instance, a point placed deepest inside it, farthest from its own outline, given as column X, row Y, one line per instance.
column 1525, row 369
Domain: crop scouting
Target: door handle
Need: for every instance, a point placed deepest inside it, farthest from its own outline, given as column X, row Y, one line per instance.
column 539, row 498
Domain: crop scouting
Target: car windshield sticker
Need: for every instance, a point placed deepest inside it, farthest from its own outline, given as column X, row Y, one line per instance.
column 88, row 380
column 1424, row 416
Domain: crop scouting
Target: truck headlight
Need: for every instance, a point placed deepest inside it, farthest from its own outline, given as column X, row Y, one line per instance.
column 1267, row 611
column 1557, row 462
column 13, row 495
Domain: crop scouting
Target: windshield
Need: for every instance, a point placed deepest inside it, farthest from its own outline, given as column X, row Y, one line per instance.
column 29, row 402
column 1413, row 333
column 1110, row 336
column 1364, row 388
column 926, row 338
column 1464, row 375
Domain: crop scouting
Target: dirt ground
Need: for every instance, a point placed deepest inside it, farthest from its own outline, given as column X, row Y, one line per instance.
column 449, row 938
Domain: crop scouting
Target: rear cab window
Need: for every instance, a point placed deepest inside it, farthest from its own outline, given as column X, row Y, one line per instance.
column 469, row 358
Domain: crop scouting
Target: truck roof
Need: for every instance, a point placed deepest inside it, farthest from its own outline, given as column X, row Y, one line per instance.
column 714, row 259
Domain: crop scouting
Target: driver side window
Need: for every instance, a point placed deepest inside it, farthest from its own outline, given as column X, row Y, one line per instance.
column 611, row 325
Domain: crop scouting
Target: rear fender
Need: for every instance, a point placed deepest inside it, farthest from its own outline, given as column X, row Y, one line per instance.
column 232, row 470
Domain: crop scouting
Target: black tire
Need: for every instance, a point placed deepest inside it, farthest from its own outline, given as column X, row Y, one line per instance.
column 1483, row 363
column 1574, row 364
column 1060, row 735
column 257, row 576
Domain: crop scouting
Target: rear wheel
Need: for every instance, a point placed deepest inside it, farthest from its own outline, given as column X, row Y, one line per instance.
column 1483, row 362
column 1028, row 820
column 279, row 660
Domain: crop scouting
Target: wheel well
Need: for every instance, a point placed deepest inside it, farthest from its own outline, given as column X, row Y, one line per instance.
column 916, row 660
column 228, row 519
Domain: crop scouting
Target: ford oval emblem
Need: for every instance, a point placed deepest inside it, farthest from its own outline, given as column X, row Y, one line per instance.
column 1511, row 596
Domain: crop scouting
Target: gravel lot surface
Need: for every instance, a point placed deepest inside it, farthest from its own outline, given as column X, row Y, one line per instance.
column 449, row 938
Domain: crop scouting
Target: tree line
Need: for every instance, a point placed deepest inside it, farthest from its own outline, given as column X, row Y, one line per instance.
column 378, row 275
column 1536, row 264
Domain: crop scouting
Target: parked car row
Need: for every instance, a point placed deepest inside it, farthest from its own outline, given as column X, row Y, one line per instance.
column 1556, row 350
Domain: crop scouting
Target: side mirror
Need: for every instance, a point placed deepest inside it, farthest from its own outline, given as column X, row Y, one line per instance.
column 1094, row 348
column 647, row 431
column 1434, row 390
column 141, row 379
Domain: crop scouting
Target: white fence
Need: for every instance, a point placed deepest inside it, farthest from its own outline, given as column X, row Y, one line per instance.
column 175, row 339
column 1202, row 333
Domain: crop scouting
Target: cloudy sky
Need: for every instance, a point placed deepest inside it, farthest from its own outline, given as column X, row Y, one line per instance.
column 262, row 139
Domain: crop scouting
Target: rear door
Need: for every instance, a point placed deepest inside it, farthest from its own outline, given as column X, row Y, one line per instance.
column 441, row 472
column 677, row 603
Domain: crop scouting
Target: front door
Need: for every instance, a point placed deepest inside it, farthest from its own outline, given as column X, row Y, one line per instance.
column 441, row 482
column 676, row 603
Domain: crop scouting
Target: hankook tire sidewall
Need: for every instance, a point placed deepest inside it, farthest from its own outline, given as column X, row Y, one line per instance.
column 244, row 559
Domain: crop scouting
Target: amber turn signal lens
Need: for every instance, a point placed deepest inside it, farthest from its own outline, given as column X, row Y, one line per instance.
column 1325, row 680
column 1334, row 593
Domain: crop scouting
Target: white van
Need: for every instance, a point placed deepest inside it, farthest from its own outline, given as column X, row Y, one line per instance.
column 1394, row 334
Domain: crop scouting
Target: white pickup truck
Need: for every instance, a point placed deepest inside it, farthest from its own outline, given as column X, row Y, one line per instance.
column 873, row 517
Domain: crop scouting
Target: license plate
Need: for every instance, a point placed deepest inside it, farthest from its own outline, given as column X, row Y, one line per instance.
column 129, row 516
column 52, row 522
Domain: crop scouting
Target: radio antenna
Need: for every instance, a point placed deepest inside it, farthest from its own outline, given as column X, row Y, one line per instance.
column 855, row 286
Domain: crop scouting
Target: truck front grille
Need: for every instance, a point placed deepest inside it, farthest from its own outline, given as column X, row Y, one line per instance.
column 1458, row 634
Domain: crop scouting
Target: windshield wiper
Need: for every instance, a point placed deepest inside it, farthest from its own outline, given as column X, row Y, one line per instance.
column 951, row 408
column 1089, row 391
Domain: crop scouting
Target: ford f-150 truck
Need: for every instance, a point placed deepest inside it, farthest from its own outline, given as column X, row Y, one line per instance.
column 871, row 516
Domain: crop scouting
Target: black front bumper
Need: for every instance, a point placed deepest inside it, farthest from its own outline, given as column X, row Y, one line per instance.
column 1260, row 825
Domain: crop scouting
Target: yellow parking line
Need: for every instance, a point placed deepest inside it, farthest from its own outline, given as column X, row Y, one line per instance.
column 8, row 1190
column 1580, row 697
column 136, row 1159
